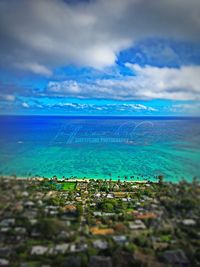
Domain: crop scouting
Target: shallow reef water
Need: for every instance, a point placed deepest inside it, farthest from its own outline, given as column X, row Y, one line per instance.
column 135, row 148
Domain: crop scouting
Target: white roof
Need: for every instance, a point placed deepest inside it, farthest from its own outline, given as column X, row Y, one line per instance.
column 62, row 248
column 39, row 250
column 138, row 224
column 4, row 262
column 100, row 244
column 189, row 222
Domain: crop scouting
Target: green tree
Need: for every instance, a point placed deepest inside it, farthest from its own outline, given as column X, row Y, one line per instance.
column 49, row 227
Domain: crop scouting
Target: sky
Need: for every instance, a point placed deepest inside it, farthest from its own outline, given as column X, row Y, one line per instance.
column 100, row 57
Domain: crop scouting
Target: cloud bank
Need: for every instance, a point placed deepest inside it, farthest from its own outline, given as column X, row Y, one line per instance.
column 92, row 108
column 129, row 51
column 39, row 35
column 147, row 83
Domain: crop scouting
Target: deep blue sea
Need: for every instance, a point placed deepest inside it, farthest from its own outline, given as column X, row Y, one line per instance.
column 100, row 147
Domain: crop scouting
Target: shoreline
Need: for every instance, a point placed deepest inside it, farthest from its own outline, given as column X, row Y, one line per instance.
column 88, row 179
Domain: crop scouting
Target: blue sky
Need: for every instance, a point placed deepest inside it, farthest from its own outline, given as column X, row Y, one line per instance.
column 100, row 57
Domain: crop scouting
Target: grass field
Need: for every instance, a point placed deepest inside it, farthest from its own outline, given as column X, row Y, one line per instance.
column 66, row 186
column 69, row 186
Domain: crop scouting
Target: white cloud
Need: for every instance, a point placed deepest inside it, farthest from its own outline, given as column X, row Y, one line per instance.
column 66, row 86
column 167, row 83
column 25, row 105
column 43, row 34
column 8, row 97
column 35, row 68
column 148, row 83
column 101, row 107
column 188, row 108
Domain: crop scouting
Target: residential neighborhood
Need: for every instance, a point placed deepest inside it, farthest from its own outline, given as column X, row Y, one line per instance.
column 96, row 223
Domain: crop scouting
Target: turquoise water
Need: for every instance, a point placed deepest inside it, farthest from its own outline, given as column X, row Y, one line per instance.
column 100, row 147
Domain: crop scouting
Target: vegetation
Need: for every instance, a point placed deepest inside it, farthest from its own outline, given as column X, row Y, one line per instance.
column 72, row 223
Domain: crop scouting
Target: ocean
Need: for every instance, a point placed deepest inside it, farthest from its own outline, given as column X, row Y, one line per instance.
column 131, row 148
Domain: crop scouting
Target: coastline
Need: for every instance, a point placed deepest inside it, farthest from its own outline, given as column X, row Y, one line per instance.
column 88, row 179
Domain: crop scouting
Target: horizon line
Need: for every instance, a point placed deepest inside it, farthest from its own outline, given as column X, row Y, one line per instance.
column 96, row 115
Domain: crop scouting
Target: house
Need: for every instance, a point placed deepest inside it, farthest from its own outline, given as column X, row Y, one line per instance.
column 107, row 214
column 110, row 196
column 53, row 212
column 7, row 222
column 30, row 214
column 176, row 258
column 50, row 194
column 29, row 204
column 33, row 221
column 78, row 247
column 100, row 261
column 61, row 248
column 79, row 199
column 73, row 248
column 18, row 207
column 25, row 194
column 120, row 194
column 39, row 195
column 34, row 233
column 24, row 264
column 116, row 187
column 98, row 231
column 137, row 225
column 39, row 250
column 148, row 215
column 97, row 195
column 100, row 244
column 160, row 245
column 134, row 186
column 69, row 208
column 189, row 222
column 82, row 185
column 4, row 262
column 40, row 202
column 97, row 213
column 5, row 229
column 63, row 235
column 20, row 230
column 119, row 239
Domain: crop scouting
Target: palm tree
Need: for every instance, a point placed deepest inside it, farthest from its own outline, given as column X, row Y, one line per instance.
column 160, row 179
